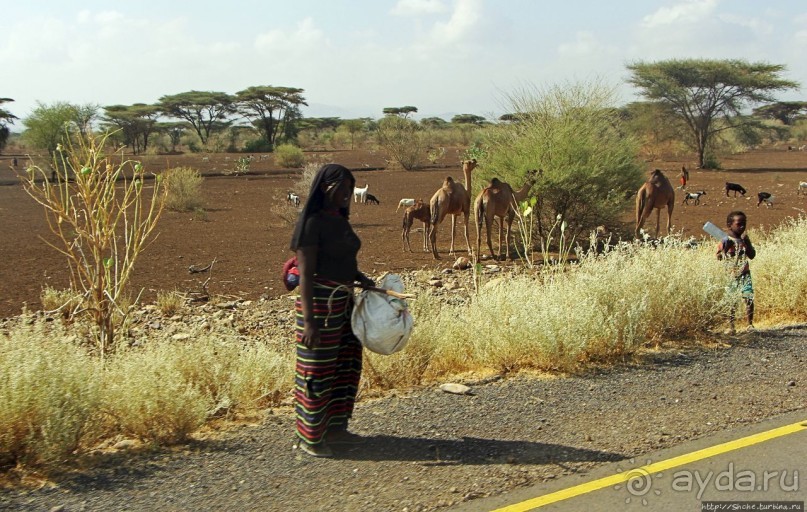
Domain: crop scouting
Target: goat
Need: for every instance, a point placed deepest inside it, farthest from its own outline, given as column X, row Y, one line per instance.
column 803, row 147
column 293, row 198
column 802, row 188
column 360, row 194
column 765, row 197
column 405, row 203
column 736, row 188
column 696, row 196
column 372, row 199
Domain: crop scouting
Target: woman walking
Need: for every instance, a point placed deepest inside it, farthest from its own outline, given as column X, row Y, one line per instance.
column 329, row 356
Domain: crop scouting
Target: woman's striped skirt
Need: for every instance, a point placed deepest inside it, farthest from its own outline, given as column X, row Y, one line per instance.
column 327, row 376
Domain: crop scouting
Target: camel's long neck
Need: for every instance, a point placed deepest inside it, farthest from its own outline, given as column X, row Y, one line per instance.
column 521, row 194
column 467, row 174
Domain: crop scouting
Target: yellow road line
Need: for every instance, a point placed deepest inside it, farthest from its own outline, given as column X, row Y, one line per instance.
column 656, row 467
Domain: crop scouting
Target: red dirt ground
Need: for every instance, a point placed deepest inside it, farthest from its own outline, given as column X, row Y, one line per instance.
column 249, row 242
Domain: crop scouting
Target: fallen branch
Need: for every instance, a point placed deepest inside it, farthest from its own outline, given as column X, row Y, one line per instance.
column 193, row 269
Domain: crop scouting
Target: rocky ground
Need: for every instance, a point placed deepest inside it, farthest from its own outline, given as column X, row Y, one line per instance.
column 425, row 449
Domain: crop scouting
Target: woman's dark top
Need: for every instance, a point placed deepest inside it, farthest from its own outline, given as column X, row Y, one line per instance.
column 337, row 246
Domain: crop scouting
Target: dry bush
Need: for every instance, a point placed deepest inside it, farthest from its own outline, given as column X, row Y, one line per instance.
column 183, row 186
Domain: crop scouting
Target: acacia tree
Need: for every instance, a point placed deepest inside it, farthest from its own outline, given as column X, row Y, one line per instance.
column 136, row 122
column 202, row 109
column 701, row 92
column 272, row 109
column 6, row 118
column 84, row 116
column 788, row 112
column 400, row 111
column 468, row 119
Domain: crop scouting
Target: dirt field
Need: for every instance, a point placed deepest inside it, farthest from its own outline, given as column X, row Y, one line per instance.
column 249, row 242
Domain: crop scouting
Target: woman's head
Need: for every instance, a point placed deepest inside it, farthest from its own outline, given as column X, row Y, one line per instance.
column 331, row 188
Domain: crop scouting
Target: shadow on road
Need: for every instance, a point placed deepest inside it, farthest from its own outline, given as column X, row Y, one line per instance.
column 468, row 450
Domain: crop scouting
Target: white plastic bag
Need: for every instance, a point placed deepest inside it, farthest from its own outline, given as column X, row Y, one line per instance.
column 382, row 323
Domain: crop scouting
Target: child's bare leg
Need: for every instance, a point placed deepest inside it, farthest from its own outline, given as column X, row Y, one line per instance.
column 749, row 310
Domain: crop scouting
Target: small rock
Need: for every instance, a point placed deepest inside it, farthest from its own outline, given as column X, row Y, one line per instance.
column 456, row 389
column 124, row 444
column 791, row 383
column 58, row 508
column 436, row 283
column 180, row 336
column 447, row 271
column 462, row 263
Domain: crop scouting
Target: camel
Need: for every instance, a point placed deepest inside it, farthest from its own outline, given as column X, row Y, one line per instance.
column 655, row 194
column 419, row 211
column 500, row 200
column 452, row 199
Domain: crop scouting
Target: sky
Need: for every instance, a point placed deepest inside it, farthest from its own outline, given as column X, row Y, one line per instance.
column 353, row 58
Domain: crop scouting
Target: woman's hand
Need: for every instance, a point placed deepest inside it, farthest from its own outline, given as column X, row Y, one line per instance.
column 310, row 337
column 364, row 281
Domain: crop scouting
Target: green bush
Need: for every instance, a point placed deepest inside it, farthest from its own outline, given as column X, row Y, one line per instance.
column 183, row 187
column 591, row 168
column 403, row 140
column 288, row 155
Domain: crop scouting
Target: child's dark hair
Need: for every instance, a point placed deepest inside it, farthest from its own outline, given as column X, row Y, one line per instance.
column 735, row 213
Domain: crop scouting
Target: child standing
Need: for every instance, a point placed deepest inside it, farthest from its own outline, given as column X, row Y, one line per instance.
column 735, row 250
column 684, row 177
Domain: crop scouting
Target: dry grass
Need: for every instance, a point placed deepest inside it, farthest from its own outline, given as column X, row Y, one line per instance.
column 56, row 399
column 169, row 302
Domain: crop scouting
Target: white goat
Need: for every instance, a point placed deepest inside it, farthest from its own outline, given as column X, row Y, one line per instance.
column 360, row 194
column 802, row 188
column 293, row 198
column 406, row 203
column 696, row 196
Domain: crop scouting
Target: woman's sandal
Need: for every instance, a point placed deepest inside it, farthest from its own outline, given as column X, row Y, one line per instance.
column 315, row 450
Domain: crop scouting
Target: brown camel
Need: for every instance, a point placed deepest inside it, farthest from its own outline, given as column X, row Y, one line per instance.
column 452, row 199
column 419, row 211
column 500, row 200
column 655, row 194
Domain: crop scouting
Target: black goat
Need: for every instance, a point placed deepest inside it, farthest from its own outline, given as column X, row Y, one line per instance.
column 735, row 187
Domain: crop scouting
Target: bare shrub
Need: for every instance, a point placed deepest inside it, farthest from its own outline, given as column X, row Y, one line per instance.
column 183, row 189
column 102, row 218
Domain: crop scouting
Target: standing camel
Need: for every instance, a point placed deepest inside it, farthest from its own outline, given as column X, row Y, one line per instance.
column 656, row 193
column 419, row 211
column 452, row 199
column 500, row 200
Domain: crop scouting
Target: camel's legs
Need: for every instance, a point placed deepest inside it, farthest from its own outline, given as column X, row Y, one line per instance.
column 433, row 239
column 465, row 227
column 658, row 220
column 453, row 229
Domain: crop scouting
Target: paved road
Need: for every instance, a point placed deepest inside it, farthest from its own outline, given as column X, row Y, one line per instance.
column 760, row 463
